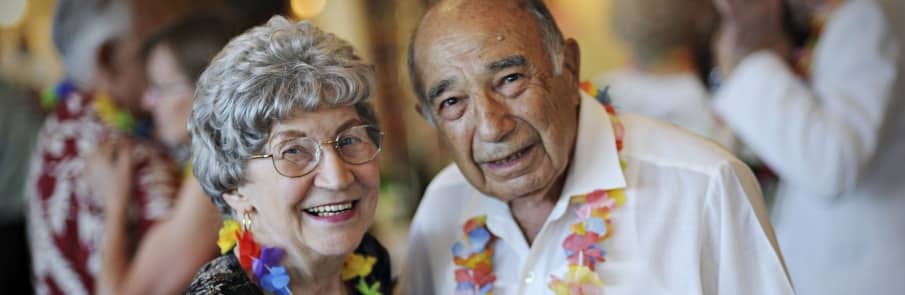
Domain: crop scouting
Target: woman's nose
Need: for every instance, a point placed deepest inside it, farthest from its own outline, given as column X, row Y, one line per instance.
column 333, row 173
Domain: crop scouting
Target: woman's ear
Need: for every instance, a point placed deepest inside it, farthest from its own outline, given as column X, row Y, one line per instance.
column 237, row 201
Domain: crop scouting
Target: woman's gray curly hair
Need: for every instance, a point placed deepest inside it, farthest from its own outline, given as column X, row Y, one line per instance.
column 262, row 77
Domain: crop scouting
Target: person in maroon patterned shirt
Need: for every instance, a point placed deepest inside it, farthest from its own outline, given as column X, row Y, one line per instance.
column 98, row 45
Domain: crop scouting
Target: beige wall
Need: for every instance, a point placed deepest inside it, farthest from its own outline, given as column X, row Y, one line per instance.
column 38, row 66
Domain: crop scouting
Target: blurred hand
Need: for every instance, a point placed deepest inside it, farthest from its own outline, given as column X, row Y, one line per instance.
column 749, row 26
column 109, row 171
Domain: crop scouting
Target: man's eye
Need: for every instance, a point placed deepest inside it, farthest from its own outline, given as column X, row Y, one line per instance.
column 449, row 102
column 512, row 78
column 452, row 108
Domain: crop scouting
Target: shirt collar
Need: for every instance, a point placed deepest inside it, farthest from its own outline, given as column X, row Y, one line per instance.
column 595, row 161
column 594, row 165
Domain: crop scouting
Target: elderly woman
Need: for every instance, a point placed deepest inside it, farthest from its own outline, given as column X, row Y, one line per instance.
column 285, row 142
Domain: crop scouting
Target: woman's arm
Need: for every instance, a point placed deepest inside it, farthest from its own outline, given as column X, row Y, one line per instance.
column 173, row 251
column 170, row 253
column 109, row 173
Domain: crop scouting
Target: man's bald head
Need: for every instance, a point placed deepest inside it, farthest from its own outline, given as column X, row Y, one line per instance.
column 442, row 15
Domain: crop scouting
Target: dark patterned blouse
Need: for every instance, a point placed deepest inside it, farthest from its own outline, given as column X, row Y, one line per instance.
column 224, row 275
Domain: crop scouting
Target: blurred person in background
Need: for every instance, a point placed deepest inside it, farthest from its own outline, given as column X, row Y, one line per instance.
column 98, row 43
column 174, row 58
column 828, row 118
column 669, row 44
column 20, row 120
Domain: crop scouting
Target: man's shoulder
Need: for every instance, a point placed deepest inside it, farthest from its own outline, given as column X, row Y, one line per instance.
column 664, row 144
column 448, row 176
column 446, row 192
column 448, row 184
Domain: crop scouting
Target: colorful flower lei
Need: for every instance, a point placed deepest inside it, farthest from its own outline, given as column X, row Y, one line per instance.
column 103, row 105
column 473, row 254
column 264, row 262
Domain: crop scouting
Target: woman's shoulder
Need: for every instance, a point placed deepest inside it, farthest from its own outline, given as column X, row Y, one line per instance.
column 223, row 275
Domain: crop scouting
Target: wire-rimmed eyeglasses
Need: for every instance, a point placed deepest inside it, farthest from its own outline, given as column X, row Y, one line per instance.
column 299, row 156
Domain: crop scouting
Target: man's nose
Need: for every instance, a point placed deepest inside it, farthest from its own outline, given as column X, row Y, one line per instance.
column 333, row 173
column 495, row 120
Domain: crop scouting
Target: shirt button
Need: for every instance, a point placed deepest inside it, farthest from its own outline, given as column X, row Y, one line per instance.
column 529, row 277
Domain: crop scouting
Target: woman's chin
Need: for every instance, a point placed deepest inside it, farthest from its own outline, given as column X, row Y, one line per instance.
column 336, row 243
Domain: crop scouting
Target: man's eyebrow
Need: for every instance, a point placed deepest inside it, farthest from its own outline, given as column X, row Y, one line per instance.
column 508, row 62
column 439, row 88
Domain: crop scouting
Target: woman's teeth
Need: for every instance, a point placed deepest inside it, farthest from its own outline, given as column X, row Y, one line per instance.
column 330, row 210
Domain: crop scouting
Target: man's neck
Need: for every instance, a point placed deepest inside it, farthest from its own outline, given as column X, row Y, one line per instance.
column 531, row 212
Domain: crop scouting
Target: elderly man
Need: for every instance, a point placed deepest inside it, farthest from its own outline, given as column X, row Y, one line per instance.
column 552, row 192
column 833, row 128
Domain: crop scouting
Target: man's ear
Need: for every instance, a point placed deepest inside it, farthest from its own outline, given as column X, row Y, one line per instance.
column 572, row 58
column 420, row 110
column 105, row 61
column 237, row 201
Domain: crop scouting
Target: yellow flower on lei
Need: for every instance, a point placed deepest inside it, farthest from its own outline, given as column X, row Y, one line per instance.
column 112, row 115
column 579, row 280
column 227, row 235
column 357, row 266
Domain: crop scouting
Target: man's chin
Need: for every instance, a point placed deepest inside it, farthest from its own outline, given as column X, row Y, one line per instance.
column 516, row 190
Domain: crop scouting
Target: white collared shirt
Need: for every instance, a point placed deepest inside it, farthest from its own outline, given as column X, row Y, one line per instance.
column 693, row 221
column 838, row 146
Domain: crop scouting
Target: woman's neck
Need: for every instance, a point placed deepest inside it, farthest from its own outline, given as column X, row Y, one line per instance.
column 314, row 274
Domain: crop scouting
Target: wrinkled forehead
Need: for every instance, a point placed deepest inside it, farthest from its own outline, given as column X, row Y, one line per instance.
column 454, row 35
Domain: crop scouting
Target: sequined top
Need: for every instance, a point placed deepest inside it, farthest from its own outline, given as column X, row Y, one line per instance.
column 224, row 275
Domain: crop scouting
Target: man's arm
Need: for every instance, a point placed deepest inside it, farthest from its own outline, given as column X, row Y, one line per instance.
column 819, row 137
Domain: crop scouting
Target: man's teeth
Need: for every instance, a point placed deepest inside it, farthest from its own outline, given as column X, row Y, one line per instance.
column 329, row 210
column 510, row 158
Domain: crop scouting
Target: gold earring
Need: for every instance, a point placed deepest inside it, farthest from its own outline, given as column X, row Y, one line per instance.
column 246, row 221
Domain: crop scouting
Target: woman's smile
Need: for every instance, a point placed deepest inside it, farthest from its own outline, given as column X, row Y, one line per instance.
column 333, row 213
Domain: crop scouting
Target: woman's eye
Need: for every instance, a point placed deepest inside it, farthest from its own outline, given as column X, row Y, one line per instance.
column 293, row 150
column 348, row 140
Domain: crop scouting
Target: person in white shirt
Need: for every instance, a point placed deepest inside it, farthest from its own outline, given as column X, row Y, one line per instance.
column 836, row 138
column 538, row 201
column 669, row 46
